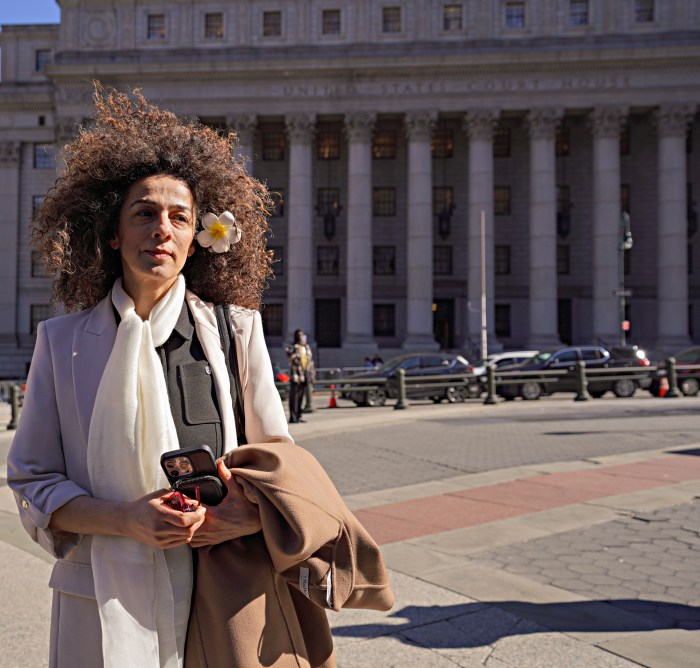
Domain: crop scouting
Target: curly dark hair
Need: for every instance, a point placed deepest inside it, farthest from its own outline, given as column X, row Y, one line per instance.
column 132, row 139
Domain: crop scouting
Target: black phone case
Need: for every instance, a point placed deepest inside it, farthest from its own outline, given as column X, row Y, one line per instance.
column 211, row 489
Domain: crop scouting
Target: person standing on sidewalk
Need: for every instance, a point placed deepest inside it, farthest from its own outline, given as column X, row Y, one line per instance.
column 301, row 373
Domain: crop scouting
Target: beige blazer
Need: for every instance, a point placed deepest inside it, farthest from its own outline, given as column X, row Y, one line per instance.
column 47, row 463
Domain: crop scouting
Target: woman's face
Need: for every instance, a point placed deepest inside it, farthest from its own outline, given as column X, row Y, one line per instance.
column 156, row 232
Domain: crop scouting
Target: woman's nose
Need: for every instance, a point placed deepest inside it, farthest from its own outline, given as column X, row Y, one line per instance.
column 162, row 227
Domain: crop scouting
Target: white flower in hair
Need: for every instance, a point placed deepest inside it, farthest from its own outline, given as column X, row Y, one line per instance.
column 220, row 232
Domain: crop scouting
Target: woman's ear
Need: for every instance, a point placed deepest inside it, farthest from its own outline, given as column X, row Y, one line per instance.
column 114, row 243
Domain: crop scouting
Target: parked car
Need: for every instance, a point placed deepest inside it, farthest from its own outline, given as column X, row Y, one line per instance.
column 497, row 360
column 281, row 381
column 564, row 359
column 415, row 365
column 688, row 379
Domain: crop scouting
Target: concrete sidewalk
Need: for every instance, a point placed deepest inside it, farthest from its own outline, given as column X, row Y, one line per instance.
column 580, row 563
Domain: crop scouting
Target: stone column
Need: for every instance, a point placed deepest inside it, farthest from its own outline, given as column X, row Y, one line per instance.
column 672, row 265
column 10, row 154
column 419, row 297
column 479, row 125
column 607, row 208
column 244, row 126
column 542, row 125
column 358, row 320
column 299, row 260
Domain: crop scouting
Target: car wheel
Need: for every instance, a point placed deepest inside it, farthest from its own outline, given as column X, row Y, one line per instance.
column 473, row 391
column 376, row 397
column 689, row 386
column 624, row 388
column 596, row 395
column 530, row 391
column 455, row 394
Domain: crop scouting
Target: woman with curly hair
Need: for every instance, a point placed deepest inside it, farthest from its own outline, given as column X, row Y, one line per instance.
column 152, row 222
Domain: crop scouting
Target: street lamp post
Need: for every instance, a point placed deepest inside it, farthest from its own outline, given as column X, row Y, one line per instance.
column 625, row 243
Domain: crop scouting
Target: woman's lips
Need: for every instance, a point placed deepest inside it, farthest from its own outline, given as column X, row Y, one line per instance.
column 158, row 254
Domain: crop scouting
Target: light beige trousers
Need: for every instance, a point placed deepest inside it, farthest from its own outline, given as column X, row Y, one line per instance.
column 76, row 636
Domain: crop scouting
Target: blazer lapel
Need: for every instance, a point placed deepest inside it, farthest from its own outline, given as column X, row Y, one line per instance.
column 208, row 334
column 92, row 346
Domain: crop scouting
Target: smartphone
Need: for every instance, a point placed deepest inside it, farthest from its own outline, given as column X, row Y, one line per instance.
column 192, row 471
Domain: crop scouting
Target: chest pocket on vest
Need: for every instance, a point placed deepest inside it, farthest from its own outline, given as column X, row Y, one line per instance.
column 198, row 393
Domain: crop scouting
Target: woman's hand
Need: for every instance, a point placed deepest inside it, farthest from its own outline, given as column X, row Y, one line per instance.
column 152, row 521
column 234, row 517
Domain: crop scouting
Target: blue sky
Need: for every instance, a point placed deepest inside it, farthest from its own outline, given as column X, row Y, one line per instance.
column 29, row 11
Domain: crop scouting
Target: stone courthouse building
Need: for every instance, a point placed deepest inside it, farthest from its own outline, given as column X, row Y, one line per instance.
column 387, row 127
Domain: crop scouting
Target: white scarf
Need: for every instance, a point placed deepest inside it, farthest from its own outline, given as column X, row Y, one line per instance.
column 143, row 592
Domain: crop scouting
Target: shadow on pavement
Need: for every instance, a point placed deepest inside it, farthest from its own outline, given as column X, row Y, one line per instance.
column 479, row 624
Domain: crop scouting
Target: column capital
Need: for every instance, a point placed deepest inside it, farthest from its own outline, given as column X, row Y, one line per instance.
column 66, row 129
column 480, row 123
column 542, row 123
column 419, row 125
column 671, row 120
column 300, row 128
column 359, row 126
column 10, row 152
column 607, row 121
column 244, row 125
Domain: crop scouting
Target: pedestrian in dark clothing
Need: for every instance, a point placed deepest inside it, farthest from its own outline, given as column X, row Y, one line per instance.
column 301, row 372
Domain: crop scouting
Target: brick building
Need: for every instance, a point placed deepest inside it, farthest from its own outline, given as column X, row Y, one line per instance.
column 387, row 127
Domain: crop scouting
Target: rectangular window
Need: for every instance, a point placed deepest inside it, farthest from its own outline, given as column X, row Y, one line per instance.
column 625, row 139
column 384, row 261
column 327, row 201
column 391, row 19
column 38, row 313
column 384, row 145
column 43, row 156
column 274, row 146
column 625, row 198
column 277, row 196
column 515, row 15
column 501, row 260
column 39, row 269
column 273, row 319
column 330, row 22
column 563, row 260
column 272, row 24
column 643, row 11
column 442, row 260
column 578, row 13
column 501, row 143
column 214, row 26
column 562, row 144
column 442, row 200
column 452, row 18
column 502, row 321
column 384, row 320
column 501, row 200
column 37, row 201
column 384, row 202
column 443, row 143
column 155, row 27
column 327, row 261
column 328, row 322
column 42, row 57
column 277, row 259
column 328, row 145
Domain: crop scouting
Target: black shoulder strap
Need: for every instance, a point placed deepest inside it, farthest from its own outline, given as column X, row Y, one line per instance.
column 223, row 321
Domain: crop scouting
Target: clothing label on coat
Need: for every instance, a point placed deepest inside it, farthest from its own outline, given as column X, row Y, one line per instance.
column 304, row 581
column 329, row 589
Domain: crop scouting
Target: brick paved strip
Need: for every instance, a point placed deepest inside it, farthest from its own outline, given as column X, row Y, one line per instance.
column 394, row 522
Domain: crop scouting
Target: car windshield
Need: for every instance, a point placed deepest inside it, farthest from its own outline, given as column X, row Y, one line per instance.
column 537, row 359
column 394, row 363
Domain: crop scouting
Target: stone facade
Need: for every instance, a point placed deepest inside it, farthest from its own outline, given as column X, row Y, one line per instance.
column 387, row 128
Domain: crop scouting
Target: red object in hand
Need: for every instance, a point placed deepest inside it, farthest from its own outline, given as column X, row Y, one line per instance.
column 178, row 501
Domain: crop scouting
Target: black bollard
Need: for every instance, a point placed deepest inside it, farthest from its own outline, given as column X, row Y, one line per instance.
column 490, row 386
column 673, row 392
column 14, row 403
column 581, row 383
column 401, row 401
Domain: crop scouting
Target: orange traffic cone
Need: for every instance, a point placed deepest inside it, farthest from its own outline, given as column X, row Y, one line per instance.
column 331, row 402
column 663, row 387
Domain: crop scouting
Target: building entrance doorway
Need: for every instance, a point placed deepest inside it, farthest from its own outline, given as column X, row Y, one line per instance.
column 444, row 322
column 328, row 323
